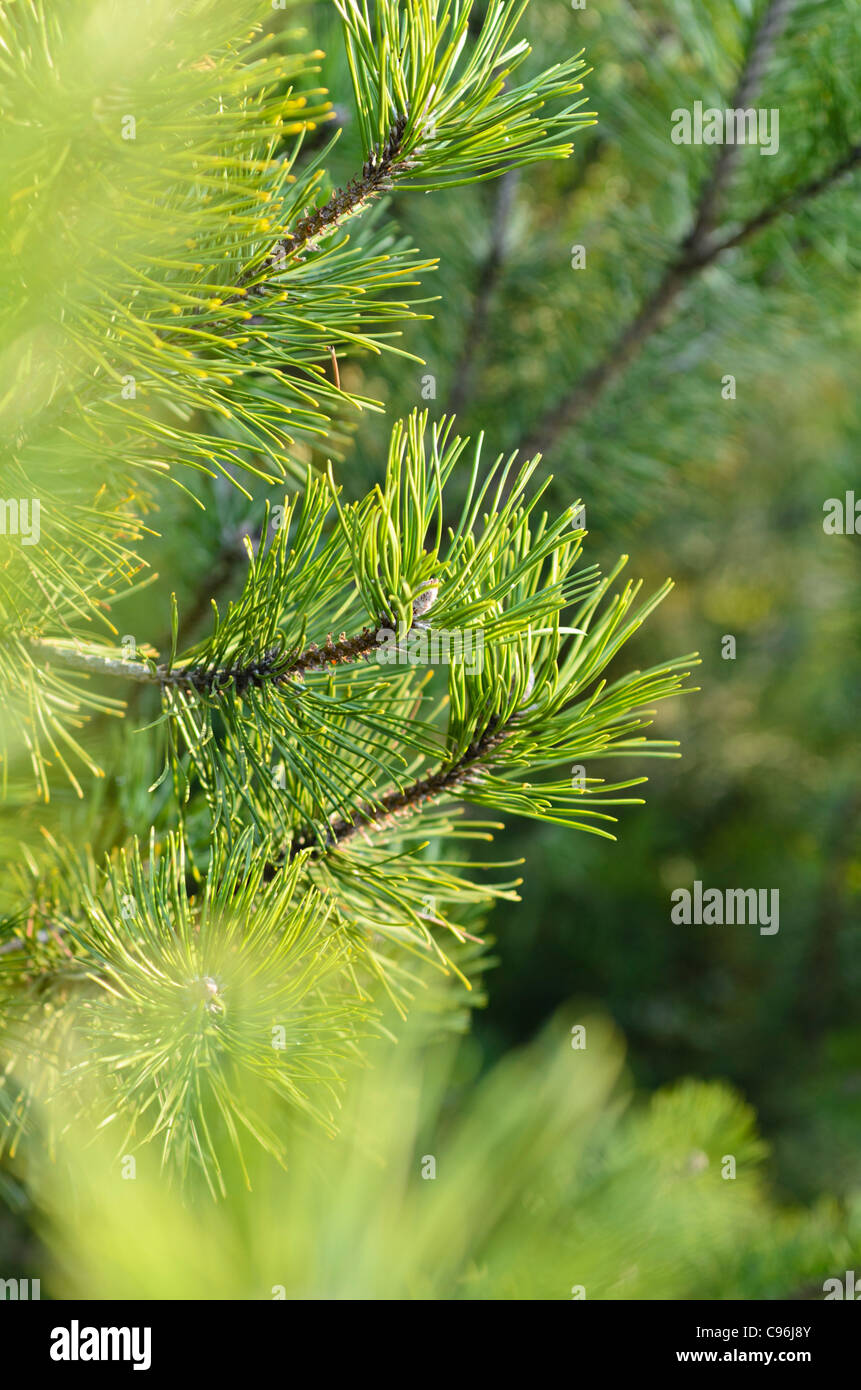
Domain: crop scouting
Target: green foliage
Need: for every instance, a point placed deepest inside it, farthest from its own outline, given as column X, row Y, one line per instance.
column 309, row 848
column 287, row 853
column 466, row 119
column 519, row 328
column 545, row 1181
column 726, row 495
column 352, row 760
column 160, row 1006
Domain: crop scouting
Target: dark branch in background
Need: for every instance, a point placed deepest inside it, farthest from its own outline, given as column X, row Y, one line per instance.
column 380, row 815
column 466, row 370
column 697, row 250
column 227, row 559
column 788, row 203
column 469, row 363
column 463, row 375
column 475, row 335
column 653, row 313
column 759, row 56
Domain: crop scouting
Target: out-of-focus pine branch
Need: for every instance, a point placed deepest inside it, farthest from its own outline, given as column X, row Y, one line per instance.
column 700, row 246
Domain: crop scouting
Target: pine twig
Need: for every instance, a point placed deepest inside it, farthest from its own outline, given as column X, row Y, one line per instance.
column 443, row 782
column 267, row 669
column 698, row 249
column 378, row 176
column 753, row 71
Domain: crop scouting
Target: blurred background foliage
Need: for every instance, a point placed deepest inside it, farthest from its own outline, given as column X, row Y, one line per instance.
column 727, row 497
column 537, row 1180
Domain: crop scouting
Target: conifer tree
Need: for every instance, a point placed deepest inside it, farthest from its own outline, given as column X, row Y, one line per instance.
column 202, row 290
column 305, row 759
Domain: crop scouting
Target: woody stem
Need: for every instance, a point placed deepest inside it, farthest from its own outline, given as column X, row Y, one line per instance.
column 443, row 782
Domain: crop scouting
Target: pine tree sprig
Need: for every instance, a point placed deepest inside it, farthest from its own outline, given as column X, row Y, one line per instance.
column 701, row 245
column 285, row 846
column 467, row 119
column 234, row 992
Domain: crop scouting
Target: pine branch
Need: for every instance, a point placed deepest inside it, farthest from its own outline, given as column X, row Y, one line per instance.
column 684, row 268
column 242, row 723
column 378, row 176
column 759, row 55
column 446, row 781
column 268, row 669
column 698, row 249
column 93, row 662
